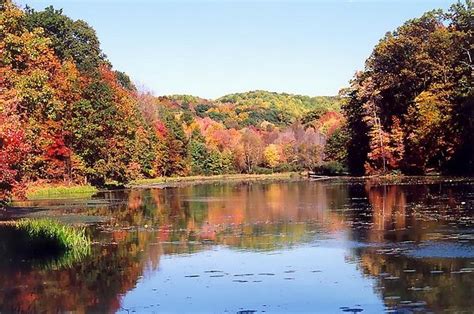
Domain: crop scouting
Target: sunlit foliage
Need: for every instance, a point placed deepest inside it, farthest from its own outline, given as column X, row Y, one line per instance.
column 68, row 117
column 411, row 109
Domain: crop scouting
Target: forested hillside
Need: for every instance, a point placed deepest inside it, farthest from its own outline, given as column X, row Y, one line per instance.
column 225, row 136
column 66, row 116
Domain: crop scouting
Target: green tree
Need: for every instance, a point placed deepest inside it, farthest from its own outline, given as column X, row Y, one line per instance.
column 198, row 153
column 124, row 80
column 336, row 146
column 70, row 39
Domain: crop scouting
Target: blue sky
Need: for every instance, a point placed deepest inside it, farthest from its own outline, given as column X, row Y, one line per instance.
column 212, row 48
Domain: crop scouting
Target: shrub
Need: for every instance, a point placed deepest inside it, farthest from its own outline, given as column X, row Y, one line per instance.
column 262, row 170
column 286, row 167
column 331, row 168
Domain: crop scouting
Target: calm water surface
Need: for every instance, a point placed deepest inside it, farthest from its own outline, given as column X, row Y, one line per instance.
column 329, row 247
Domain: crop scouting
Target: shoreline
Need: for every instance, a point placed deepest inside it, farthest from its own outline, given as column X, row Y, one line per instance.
column 50, row 191
column 162, row 182
column 58, row 191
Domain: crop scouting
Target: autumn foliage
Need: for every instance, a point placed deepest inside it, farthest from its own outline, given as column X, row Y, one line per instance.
column 68, row 117
column 411, row 109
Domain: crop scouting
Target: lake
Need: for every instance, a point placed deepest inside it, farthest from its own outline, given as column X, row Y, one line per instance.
column 242, row 247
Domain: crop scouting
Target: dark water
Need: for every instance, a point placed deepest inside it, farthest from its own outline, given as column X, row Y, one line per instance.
column 329, row 247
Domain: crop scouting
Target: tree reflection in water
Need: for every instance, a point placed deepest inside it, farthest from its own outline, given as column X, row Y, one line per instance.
column 95, row 284
column 404, row 218
column 390, row 223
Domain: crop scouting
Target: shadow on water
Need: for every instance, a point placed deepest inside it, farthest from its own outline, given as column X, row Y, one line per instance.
column 95, row 283
column 410, row 242
column 17, row 248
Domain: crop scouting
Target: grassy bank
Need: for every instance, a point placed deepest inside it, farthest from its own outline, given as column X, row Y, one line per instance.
column 47, row 191
column 60, row 191
column 214, row 178
column 30, row 239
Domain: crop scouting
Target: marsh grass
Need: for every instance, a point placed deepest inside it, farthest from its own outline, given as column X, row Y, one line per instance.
column 50, row 231
column 62, row 191
column 43, row 239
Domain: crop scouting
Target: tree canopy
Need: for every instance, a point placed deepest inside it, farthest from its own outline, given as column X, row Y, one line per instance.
column 67, row 116
column 411, row 108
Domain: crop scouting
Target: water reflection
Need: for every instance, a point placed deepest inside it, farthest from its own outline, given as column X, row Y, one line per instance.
column 405, row 246
column 253, row 216
column 432, row 284
column 434, row 219
column 96, row 284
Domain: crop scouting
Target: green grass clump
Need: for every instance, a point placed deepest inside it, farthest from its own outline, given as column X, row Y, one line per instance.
column 50, row 233
column 42, row 192
column 42, row 242
column 33, row 238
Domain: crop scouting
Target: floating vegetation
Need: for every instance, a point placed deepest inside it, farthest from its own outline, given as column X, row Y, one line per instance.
column 242, row 275
column 43, row 240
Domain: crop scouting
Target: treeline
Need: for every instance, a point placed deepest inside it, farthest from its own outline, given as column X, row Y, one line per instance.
column 199, row 136
column 255, row 107
column 411, row 109
column 67, row 116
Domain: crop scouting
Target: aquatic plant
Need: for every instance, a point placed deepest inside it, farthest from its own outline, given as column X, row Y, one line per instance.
column 47, row 231
column 36, row 239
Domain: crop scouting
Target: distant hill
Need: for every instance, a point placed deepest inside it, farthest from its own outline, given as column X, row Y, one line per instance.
column 254, row 107
column 297, row 104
